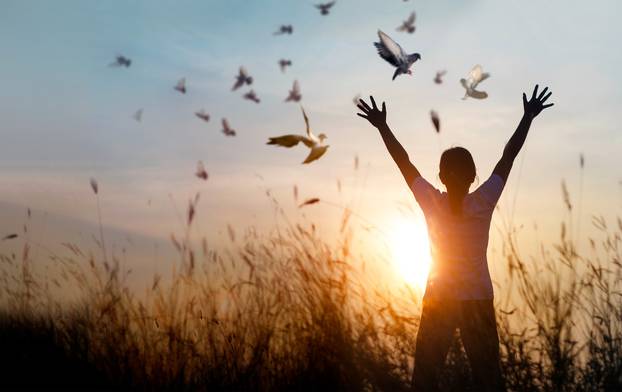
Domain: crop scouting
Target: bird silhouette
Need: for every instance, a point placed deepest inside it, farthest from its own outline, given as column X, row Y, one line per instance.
column 138, row 116
column 241, row 79
column 294, row 93
column 226, row 128
column 476, row 76
column 181, row 86
column 283, row 63
column 438, row 79
column 314, row 143
column 201, row 172
column 121, row 61
column 393, row 53
column 436, row 120
column 325, row 7
column 408, row 25
column 284, row 29
column 251, row 96
column 202, row 115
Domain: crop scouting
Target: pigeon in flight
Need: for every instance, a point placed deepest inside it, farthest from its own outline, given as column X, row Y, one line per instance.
column 251, row 96
column 242, row 78
column 436, row 120
column 438, row 79
column 201, row 172
column 181, row 86
column 395, row 55
column 325, row 7
column 409, row 24
column 283, row 63
column 314, row 143
column 226, row 129
column 294, row 93
column 202, row 115
column 285, row 29
column 476, row 76
column 138, row 116
column 121, row 61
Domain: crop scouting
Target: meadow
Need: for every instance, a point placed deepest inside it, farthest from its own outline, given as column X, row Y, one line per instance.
column 285, row 310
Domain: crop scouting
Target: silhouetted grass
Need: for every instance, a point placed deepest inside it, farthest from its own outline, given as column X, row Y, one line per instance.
column 286, row 311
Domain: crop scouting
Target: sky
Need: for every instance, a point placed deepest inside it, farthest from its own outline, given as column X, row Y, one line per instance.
column 67, row 116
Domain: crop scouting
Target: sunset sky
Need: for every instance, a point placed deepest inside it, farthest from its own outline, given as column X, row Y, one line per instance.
column 67, row 116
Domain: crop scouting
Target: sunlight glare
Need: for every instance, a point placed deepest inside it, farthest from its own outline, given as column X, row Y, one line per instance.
column 411, row 251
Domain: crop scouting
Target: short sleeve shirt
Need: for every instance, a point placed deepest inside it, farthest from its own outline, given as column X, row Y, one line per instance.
column 458, row 242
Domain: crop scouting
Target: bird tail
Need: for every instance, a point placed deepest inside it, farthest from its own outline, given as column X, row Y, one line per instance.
column 397, row 72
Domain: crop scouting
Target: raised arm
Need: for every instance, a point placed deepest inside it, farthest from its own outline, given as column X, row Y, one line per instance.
column 378, row 118
column 532, row 108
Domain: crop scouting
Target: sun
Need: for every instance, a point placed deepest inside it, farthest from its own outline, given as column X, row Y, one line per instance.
column 410, row 251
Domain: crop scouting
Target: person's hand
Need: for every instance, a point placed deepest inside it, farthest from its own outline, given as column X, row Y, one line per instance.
column 535, row 105
column 377, row 118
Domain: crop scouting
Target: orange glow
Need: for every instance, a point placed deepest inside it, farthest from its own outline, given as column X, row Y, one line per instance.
column 410, row 250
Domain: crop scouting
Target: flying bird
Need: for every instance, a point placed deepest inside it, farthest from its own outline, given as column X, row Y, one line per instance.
column 408, row 25
column 395, row 55
column 294, row 93
column 325, row 7
column 438, row 79
column 284, row 29
column 436, row 120
column 241, row 79
column 283, row 63
column 226, row 128
column 314, row 143
column 138, row 116
column 181, row 86
column 476, row 76
column 251, row 96
column 201, row 172
column 121, row 61
column 202, row 115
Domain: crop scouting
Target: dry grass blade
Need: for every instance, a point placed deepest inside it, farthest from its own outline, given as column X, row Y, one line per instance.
column 310, row 201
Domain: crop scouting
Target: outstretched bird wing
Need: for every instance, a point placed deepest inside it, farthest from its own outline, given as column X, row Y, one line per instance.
column 411, row 18
column 307, row 127
column 290, row 141
column 389, row 50
column 315, row 153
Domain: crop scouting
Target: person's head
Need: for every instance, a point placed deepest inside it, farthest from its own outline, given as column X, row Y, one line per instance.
column 457, row 169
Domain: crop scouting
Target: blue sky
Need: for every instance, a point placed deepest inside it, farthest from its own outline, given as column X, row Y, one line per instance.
column 67, row 115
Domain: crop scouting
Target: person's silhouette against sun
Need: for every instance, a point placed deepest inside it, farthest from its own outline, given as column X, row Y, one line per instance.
column 459, row 291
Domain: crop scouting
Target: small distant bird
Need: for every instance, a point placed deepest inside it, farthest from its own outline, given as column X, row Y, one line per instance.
column 251, row 96
column 581, row 160
column 438, row 79
column 201, row 172
column 241, row 79
column 395, row 55
column 409, row 24
column 202, row 115
column 436, row 120
column 325, row 7
column 284, row 29
column 121, row 61
column 315, row 143
column 181, row 86
column 138, row 116
column 9, row 237
column 294, row 93
column 226, row 128
column 283, row 63
column 310, row 201
column 476, row 76
column 356, row 99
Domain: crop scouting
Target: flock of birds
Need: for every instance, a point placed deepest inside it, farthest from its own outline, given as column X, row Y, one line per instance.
column 387, row 48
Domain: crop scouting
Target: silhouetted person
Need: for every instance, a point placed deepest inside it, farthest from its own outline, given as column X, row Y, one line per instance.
column 459, row 291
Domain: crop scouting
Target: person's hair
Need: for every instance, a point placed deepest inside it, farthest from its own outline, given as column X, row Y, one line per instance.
column 457, row 167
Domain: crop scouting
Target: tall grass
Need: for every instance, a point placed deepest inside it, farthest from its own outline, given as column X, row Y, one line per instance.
column 284, row 310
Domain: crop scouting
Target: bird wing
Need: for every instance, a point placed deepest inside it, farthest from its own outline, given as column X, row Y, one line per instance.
column 315, row 153
column 477, row 94
column 411, row 18
column 289, row 140
column 475, row 74
column 307, row 127
column 296, row 87
column 243, row 73
column 389, row 50
column 225, row 124
column 464, row 83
